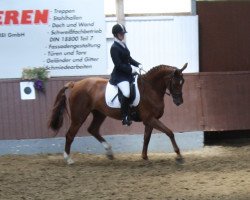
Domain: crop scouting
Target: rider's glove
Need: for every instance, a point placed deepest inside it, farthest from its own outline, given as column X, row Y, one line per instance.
column 140, row 68
column 133, row 70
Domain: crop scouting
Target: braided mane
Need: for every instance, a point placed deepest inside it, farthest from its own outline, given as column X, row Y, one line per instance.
column 156, row 69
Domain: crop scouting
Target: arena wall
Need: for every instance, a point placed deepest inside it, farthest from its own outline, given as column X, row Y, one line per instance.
column 212, row 101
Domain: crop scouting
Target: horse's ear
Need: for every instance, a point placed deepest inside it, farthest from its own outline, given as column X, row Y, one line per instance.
column 184, row 67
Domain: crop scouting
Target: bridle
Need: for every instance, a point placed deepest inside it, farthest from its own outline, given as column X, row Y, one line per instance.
column 170, row 84
column 170, row 87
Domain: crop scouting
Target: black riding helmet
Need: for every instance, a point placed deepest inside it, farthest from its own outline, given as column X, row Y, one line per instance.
column 118, row 28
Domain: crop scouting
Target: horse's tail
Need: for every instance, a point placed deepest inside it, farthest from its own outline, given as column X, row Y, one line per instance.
column 60, row 106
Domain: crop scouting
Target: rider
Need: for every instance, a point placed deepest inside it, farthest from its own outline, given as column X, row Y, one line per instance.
column 122, row 74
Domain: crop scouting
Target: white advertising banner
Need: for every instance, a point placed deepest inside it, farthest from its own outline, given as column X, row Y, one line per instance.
column 67, row 37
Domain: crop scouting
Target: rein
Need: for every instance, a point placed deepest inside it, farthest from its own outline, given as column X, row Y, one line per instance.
column 167, row 93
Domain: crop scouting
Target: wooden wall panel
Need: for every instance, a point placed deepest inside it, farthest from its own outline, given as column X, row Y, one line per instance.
column 226, row 98
column 224, row 35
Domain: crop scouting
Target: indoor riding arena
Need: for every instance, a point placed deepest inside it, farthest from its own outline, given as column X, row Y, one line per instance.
column 46, row 48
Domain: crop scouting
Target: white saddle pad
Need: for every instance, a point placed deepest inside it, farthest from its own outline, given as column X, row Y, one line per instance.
column 111, row 92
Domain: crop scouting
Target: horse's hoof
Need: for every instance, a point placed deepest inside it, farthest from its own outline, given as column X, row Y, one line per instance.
column 109, row 154
column 179, row 159
column 70, row 161
column 145, row 157
column 110, row 157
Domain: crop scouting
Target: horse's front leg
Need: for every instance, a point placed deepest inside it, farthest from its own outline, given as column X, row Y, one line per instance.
column 147, row 136
column 157, row 124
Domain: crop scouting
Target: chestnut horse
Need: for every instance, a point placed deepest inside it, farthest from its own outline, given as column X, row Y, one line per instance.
column 88, row 96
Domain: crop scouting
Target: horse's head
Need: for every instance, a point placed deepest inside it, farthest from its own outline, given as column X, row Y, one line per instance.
column 175, row 85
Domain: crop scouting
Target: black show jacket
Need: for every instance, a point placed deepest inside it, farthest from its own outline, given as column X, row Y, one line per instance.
column 122, row 64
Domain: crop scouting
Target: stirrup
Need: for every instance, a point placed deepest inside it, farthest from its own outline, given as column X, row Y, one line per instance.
column 126, row 121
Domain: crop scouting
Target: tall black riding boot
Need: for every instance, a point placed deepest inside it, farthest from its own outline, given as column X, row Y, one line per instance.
column 125, row 111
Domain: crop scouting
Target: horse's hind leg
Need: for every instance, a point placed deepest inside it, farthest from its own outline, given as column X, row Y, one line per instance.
column 76, row 123
column 94, row 128
column 69, row 139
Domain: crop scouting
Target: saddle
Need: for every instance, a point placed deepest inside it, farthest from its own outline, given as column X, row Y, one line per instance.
column 113, row 96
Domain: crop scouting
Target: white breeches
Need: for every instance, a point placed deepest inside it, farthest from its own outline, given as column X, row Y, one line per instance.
column 124, row 87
